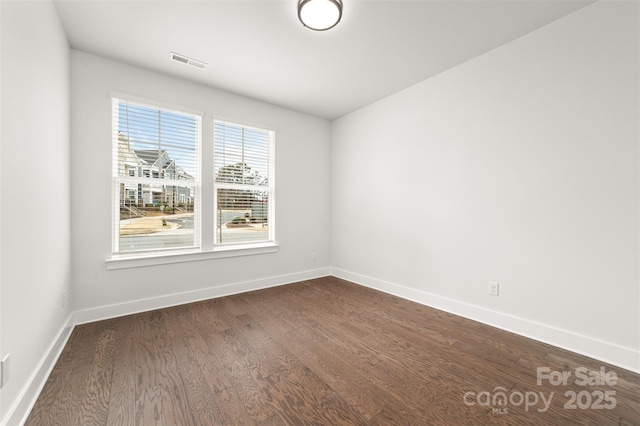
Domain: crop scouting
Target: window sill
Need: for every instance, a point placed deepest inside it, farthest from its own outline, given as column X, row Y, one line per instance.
column 136, row 261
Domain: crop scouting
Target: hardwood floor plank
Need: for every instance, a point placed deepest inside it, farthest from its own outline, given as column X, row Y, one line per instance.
column 195, row 347
column 55, row 406
column 150, row 407
column 122, row 401
column 144, row 351
column 97, row 386
column 249, row 386
column 300, row 397
column 170, row 375
column 338, row 372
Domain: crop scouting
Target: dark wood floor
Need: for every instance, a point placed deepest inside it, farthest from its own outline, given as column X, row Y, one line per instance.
column 324, row 352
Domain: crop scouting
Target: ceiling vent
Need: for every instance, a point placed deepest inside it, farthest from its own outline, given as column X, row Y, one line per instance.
column 186, row 60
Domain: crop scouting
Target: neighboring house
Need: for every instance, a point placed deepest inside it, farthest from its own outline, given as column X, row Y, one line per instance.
column 154, row 164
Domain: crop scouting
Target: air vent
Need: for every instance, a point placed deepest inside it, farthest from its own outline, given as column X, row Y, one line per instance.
column 186, row 60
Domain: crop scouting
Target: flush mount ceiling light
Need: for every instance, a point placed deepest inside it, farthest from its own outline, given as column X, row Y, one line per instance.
column 319, row 15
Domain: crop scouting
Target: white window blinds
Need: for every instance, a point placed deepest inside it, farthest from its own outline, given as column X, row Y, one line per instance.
column 156, row 174
column 244, row 184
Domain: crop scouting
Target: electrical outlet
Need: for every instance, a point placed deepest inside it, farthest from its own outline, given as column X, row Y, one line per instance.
column 494, row 288
column 64, row 298
column 314, row 256
column 4, row 370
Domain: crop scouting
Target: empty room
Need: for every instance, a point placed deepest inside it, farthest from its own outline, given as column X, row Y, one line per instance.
column 327, row 212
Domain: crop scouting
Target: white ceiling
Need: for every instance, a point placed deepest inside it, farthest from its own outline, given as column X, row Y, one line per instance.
column 259, row 48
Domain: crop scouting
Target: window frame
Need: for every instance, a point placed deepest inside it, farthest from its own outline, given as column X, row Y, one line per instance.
column 147, row 177
column 270, row 188
column 206, row 248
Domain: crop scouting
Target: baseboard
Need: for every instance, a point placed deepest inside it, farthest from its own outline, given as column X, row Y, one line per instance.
column 165, row 301
column 619, row 356
column 23, row 404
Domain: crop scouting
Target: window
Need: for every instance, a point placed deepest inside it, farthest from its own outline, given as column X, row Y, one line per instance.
column 243, row 184
column 156, row 178
column 157, row 187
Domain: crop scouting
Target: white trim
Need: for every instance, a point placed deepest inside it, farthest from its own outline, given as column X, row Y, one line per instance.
column 627, row 358
column 165, row 258
column 21, row 408
column 155, row 103
column 249, row 125
column 141, row 305
column 156, row 181
column 270, row 188
column 119, row 180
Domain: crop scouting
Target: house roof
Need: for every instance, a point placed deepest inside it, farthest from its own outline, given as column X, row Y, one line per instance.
column 125, row 153
column 151, row 156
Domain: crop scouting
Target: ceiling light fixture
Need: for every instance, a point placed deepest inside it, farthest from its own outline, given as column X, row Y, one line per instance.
column 319, row 15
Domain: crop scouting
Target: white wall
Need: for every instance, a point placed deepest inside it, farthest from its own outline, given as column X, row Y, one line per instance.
column 302, row 164
column 35, row 189
column 520, row 166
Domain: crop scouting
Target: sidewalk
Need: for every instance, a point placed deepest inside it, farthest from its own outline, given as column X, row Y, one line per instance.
column 147, row 225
